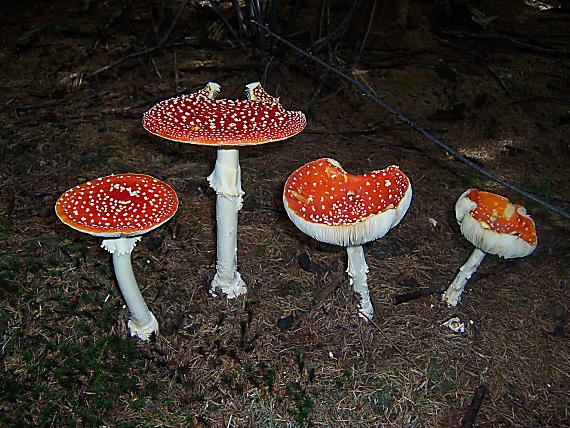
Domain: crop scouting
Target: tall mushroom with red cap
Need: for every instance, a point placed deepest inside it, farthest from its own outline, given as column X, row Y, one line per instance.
column 120, row 208
column 331, row 205
column 493, row 225
column 226, row 124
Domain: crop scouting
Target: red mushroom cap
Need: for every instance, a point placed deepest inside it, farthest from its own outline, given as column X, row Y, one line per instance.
column 117, row 205
column 199, row 119
column 334, row 206
column 495, row 225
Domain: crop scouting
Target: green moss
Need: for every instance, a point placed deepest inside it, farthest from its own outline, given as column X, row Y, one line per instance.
column 435, row 372
column 106, row 317
column 4, row 316
column 5, row 227
column 198, row 397
column 437, row 379
column 269, row 376
column 105, row 370
column 249, row 375
column 383, row 397
column 11, row 388
column 9, row 267
column 347, row 376
column 302, row 404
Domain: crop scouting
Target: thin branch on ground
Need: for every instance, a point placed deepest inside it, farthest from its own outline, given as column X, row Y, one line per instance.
column 172, row 25
column 176, row 80
column 229, row 26
column 366, row 34
column 404, row 119
column 367, row 131
column 392, row 344
column 127, row 57
column 508, row 42
column 471, row 413
column 340, row 30
column 322, row 81
column 161, row 44
column 292, row 16
column 417, row 294
column 240, row 21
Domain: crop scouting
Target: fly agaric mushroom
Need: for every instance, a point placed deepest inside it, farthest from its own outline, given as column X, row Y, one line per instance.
column 493, row 225
column 333, row 206
column 226, row 124
column 119, row 208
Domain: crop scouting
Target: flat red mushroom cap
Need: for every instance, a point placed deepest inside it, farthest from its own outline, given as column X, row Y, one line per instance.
column 199, row 119
column 322, row 193
column 117, row 205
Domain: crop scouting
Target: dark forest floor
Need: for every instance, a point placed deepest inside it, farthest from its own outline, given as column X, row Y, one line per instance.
column 69, row 112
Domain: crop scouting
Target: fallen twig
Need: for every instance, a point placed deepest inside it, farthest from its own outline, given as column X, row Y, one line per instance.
column 416, row 294
column 471, row 412
column 121, row 60
column 171, row 28
column 254, row 12
column 366, row 33
column 340, row 30
column 131, row 56
column 367, row 92
column 322, row 82
column 368, row 131
column 392, row 344
column 499, row 79
column 229, row 26
column 292, row 16
column 36, row 106
column 508, row 42
column 242, row 28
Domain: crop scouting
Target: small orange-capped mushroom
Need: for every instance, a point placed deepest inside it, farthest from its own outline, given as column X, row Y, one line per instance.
column 493, row 225
column 498, row 214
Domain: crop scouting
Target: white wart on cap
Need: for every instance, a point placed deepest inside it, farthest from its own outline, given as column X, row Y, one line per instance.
column 333, row 206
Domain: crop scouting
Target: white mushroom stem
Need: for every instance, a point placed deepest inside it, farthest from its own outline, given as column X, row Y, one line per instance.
column 358, row 272
column 452, row 295
column 226, row 182
column 142, row 323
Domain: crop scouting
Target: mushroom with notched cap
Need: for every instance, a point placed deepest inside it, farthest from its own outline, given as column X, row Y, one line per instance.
column 333, row 206
column 493, row 225
column 226, row 124
column 120, row 208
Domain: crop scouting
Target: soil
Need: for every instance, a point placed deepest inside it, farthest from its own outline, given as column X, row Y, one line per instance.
column 491, row 79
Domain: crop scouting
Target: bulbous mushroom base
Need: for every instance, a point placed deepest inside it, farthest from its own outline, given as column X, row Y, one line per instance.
column 232, row 287
column 226, row 182
column 143, row 332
